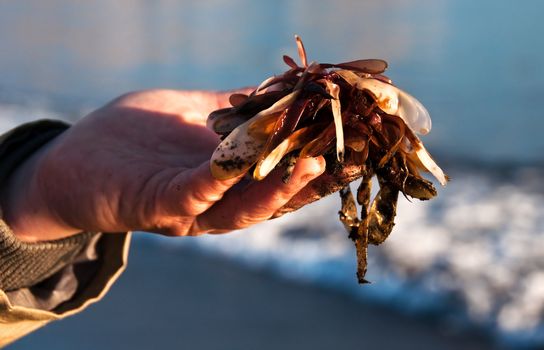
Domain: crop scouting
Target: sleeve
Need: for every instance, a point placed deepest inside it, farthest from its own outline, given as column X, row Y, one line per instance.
column 45, row 281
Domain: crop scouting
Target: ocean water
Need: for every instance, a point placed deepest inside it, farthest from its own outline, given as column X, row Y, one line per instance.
column 473, row 257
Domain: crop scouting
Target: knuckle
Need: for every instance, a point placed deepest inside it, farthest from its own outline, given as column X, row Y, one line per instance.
column 282, row 196
column 174, row 228
column 258, row 214
column 245, row 221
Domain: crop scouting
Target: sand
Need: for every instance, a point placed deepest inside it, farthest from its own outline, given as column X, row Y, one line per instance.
column 182, row 299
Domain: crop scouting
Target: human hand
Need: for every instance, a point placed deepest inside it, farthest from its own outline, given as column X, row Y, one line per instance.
column 142, row 163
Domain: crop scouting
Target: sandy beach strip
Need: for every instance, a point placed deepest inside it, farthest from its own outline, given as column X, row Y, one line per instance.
column 182, row 299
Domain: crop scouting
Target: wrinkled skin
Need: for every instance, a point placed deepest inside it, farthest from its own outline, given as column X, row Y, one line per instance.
column 142, row 163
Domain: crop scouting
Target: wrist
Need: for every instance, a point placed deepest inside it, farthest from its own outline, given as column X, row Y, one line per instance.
column 26, row 208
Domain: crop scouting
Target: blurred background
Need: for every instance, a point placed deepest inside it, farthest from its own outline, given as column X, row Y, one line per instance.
column 465, row 270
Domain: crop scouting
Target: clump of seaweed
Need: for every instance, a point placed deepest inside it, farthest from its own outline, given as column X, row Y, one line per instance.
column 349, row 112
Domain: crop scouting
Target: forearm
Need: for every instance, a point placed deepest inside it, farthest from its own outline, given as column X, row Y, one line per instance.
column 24, row 207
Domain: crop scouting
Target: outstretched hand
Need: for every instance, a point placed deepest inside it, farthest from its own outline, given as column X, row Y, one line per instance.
column 142, row 163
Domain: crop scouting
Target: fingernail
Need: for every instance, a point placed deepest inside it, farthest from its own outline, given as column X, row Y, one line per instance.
column 313, row 167
column 318, row 165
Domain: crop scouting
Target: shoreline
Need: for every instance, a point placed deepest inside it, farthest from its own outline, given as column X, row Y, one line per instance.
column 181, row 298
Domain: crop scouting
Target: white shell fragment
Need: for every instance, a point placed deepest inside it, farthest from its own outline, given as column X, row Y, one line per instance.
column 295, row 141
column 223, row 122
column 279, row 106
column 334, row 91
column 393, row 100
column 236, row 154
column 266, row 165
column 413, row 146
column 413, row 113
column 301, row 51
column 430, row 164
column 265, row 83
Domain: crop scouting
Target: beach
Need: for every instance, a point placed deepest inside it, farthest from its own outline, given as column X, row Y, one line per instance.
column 184, row 299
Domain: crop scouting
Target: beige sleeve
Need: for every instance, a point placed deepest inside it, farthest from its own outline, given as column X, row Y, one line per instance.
column 47, row 281
column 17, row 321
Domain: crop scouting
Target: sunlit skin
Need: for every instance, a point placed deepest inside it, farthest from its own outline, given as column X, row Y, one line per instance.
column 142, row 163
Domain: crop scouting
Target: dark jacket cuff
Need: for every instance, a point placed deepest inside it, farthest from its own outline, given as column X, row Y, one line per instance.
column 25, row 264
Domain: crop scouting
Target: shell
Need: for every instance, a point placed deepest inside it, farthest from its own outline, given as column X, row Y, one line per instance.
column 238, row 152
column 393, row 100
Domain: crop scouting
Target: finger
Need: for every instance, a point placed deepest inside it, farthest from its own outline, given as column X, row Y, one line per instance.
column 259, row 200
column 324, row 185
column 192, row 192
